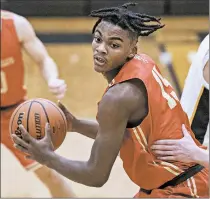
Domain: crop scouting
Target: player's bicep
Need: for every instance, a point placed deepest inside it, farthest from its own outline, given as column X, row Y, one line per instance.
column 35, row 49
column 112, row 124
column 103, row 155
column 30, row 42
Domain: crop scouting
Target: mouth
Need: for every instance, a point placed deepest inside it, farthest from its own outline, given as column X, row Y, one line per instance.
column 98, row 60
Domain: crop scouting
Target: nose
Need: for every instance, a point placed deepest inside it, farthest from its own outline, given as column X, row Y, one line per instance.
column 101, row 48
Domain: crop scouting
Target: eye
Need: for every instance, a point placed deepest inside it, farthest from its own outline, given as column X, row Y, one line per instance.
column 97, row 39
column 115, row 45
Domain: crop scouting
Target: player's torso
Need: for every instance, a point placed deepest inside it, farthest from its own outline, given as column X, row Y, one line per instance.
column 12, row 68
column 163, row 121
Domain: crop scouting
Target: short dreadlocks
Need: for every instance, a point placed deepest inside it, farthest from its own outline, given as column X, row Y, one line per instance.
column 127, row 20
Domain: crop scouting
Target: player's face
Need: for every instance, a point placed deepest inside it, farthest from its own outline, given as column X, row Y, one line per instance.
column 111, row 47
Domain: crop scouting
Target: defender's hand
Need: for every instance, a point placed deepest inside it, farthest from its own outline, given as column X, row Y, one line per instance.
column 182, row 150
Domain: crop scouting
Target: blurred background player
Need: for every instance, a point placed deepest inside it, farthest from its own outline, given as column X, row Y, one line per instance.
column 18, row 34
column 195, row 102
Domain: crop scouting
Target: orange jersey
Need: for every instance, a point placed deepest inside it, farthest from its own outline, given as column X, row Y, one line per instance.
column 12, row 67
column 164, row 120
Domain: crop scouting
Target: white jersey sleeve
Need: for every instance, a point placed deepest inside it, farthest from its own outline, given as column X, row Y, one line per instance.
column 195, row 82
column 195, row 96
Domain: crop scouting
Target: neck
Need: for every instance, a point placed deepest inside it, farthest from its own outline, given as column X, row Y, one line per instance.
column 110, row 75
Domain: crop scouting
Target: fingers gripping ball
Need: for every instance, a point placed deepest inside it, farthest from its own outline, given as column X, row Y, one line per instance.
column 34, row 114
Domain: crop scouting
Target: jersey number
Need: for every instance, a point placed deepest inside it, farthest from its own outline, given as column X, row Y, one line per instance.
column 172, row 97
column 4, row 87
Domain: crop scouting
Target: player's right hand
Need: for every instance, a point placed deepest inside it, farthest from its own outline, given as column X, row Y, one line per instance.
column 71, row 120
column 58, row 87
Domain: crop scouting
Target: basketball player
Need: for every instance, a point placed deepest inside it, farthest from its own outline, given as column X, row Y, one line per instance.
column 138, row 107
column 18, row 34
column 195, row 102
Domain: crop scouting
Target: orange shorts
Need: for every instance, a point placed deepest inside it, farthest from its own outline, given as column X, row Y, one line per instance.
column 7, row 141
column 196, row 186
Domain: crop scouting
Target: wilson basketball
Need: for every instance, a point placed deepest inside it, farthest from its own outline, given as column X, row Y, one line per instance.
column 34, row 114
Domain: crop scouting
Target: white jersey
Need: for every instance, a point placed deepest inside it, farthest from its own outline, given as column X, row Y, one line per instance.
column 196, row 90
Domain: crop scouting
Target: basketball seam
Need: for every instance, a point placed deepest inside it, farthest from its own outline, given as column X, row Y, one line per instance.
column 47, row 115
column 60, row 113
column 44, row 110
column 29, row 109
column 11, row 125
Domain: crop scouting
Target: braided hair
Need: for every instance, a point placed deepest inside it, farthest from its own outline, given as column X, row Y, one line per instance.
column 135, row 23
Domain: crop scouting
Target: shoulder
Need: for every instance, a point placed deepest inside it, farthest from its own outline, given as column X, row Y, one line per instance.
column 141, row 64
column 126, row 96
column 23, row 27
column 11, row 15
column 144, row 58
column 7, row 14
column 20, row 21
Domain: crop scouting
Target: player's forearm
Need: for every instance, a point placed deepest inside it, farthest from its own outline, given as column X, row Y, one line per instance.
column 202, row 157
column 88, row 128
column 49, row 69
column 77, row 171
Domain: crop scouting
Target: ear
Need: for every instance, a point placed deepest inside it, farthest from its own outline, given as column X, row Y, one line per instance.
column 133, row 52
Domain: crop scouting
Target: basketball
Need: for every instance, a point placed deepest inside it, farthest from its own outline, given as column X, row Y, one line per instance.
column 34, row 114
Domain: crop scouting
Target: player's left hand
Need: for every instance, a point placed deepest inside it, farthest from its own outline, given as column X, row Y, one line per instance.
column 57, row 87
column 38, row 150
